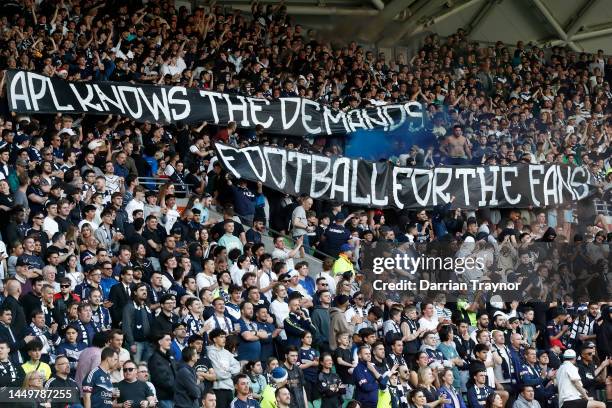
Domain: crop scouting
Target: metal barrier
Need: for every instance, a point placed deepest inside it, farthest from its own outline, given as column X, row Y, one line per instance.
column 153, row 183
column 315, row 265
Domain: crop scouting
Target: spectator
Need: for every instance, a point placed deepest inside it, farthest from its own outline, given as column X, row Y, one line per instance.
column 243, row 393
column 137, row 321
column 330, row 385
column 98, row 383
column 163, row 371
column 61, row 379
column 278, row 379
column 526, row 398
column 11, row 374
column 187, row 393
column 225, row 366
column 132, row 389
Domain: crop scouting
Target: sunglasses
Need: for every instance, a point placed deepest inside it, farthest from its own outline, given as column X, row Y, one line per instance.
column 130, row 369
column 64, row 286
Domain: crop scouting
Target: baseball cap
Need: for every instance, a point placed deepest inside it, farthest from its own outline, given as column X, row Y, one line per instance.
column 569, row 354
column 279, row 374
column 500, row 313
column 21, row 262
column 346, row 248
column 339, row 217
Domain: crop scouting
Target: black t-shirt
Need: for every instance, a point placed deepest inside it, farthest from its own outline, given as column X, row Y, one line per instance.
column 295, row 384
column 587, row 376
column 136, row 392
column 204, row 364
column 63, row 224
column 154, row 236
column 344, row 354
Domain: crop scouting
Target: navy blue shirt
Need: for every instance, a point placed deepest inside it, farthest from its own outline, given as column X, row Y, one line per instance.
column 248, row 350
column 336, row 235
column 476, row 395
column 249, row 403
column 310, row 373
column 99, row 384
column 244, row 201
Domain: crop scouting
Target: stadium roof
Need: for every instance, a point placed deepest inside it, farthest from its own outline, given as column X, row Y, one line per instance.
column 584, row 25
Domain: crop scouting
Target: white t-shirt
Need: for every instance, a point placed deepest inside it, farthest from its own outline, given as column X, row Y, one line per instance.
column 205, row 281
column 50, row 226
column 280, row 310
column 283, row 255
column 300, row 214
column 429, row 325
column 567, row 373
column 265, row 281
column 132, row 206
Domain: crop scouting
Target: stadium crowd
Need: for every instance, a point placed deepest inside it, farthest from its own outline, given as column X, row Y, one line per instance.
column 110, row 287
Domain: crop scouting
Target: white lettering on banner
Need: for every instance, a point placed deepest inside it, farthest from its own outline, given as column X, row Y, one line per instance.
column 296, row 112
column 506, row 183
column 462, row 172
column 187, row 111
column 156, row 105
column 358, row 124
column 565, row 184
column 383, row 184
column 440, row 190
column 397, row 186
column 283, row 167
column 422, row 201
column 36, row 95
column 328, row 116
column 343, row 188
column 213, row 104
column 307, row 118
column 85, row 102
column 56, row 102
column 319, row 176
column 226, row 160
column 255, row 107
column 355, row 184
column 581, row 185
column 372, row 122
column 392, row 124
column 484, row 188
column 298, row 176
column 374, row 182
column 261, row 175
column 533, row 182
column 238, row 107
column 122, row 91
column 23, row 94
column 550, row 190
column 104, row 98
column 415, row 114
